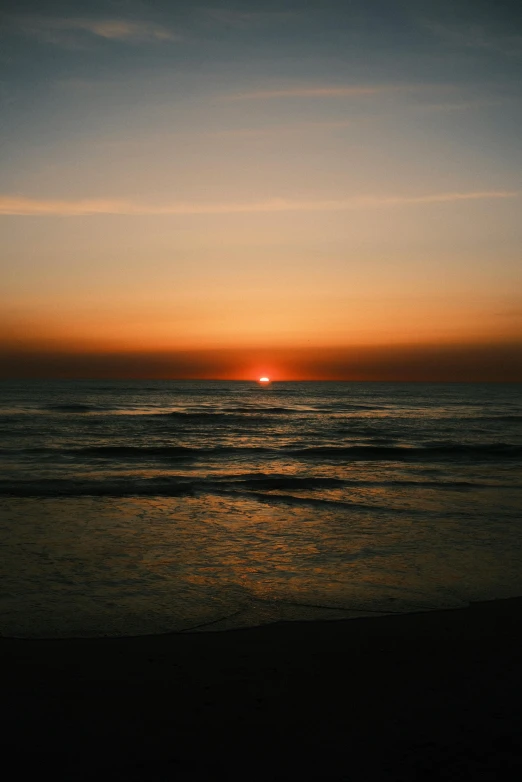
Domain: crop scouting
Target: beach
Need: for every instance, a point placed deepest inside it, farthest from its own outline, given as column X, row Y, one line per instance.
column 432, row 695
column 209, row 580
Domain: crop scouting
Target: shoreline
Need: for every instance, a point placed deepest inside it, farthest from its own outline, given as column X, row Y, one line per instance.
column 201, row 629
column 431, row 695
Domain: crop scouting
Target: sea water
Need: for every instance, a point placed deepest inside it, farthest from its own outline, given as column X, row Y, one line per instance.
column 137, row 507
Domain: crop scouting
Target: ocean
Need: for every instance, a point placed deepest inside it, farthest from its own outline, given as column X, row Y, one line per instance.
column 138, row 507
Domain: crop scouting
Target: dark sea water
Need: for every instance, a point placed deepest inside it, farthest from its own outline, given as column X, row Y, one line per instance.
column 149, row 506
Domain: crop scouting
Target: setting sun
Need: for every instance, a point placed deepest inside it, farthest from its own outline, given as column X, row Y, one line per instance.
column 264, row 380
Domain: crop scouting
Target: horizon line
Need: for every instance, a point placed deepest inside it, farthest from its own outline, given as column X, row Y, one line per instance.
column 234, row 380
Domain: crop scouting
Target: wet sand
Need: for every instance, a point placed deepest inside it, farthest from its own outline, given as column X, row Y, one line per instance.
column 421, row 696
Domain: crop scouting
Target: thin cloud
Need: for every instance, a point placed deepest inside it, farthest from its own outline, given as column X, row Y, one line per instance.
column 305, row 92
column 333, row 91
column 462, row 106
column 68, row 32
column 19, row 205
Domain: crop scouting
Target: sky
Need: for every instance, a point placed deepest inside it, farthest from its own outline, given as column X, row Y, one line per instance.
column 307, row 190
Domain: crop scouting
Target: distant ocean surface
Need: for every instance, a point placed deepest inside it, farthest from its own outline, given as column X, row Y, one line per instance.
column 151, row 506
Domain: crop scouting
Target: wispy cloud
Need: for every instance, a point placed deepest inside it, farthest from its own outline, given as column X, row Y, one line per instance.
column 20, row 205
column 70, row 31
column 306, row 92
column 335, row 91
column 469, row 105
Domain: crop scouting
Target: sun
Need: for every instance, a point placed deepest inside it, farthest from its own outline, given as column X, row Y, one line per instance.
column 264, row 380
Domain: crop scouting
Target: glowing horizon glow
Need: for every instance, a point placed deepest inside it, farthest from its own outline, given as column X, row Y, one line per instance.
column 264, row 380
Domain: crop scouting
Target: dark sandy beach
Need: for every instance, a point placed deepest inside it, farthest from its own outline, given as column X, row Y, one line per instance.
column 421, row 696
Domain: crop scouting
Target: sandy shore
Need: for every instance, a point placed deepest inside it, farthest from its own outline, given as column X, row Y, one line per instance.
column 421, row 696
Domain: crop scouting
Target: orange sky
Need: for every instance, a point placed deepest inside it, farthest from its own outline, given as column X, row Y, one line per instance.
column 227, row 195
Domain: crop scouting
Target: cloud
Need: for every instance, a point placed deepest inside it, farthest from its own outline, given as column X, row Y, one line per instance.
column 68, row 32
column 22, row 206
column 306, row 92
column 469, row 105
column 334, row 91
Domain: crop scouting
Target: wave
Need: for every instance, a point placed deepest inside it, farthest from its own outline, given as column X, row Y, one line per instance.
column 265, row 487
column 239, row 416
column 264, row 410
column 353, row 408
column 167, row 452
column 166, row 487
column 76, row 408
column 512, row 418
column 227, row 413
column 50, row 488
column 271, row 410
column 347, row 416
column 152, row 487
column 113, row 451
column 278, row 482
column 401, row 453
column 274, row 481
column 292, row 499
column 410, row 453
column 204, row 417
column 138, row 452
